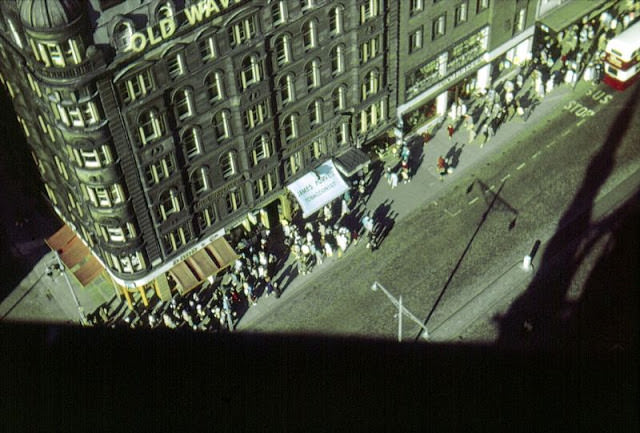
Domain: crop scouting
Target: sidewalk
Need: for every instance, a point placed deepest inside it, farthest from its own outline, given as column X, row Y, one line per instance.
column 425, row 186
column 40, row 297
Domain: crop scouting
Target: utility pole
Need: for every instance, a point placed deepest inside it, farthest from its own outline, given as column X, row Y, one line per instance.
column 63, row 269
column 401, row 310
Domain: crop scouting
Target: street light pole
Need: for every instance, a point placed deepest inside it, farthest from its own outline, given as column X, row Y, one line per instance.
column 63, row 269
column 401, row 310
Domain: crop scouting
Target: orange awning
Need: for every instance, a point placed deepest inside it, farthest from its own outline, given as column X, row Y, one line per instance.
column 89, row 271
column 203, row 265
column 184, row 277
column 208, row 261
column 73, row 252
column 222, row 252
column 60, row 238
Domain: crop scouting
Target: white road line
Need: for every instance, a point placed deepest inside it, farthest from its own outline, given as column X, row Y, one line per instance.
column 505, row 178
column 535, row 155
column 565, row 132
column 492, row 187
column 452, row 214
column 521, row 165
column 580, row 122
column 474, row 200
column 435, row 203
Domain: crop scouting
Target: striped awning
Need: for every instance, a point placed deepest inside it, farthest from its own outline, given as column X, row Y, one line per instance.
column 75, row 254
column 208, row 261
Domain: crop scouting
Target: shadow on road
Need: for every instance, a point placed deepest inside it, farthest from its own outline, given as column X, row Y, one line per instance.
column 543, row 317
column 464, row 253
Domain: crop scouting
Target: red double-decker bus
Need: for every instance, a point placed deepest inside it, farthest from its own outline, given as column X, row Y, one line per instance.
column 621, row 58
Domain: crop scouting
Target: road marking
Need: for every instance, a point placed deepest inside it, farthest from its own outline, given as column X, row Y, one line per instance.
column 505, row 178
column 580, row 122
column 473, row 201
column 435, row 203
column 551, row 144
column 521, row 165
column 452, row 214
column 535, row 155
column 492, row 187
column 565, row 132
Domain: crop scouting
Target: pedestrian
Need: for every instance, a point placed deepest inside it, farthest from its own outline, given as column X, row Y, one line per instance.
column 442, row 167
column 450, row 130
column 404, row 154
column 249, row 293
column 344, row 209
column 327, row 213
column 368, row 225
column 393, row 179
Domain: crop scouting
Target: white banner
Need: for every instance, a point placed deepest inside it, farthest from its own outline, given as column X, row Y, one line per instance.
column 318, row 187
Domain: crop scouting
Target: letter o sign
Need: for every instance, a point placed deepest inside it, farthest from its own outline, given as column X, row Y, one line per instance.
column 138, row 42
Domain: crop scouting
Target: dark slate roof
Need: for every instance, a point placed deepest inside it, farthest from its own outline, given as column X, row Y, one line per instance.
column 49, row 14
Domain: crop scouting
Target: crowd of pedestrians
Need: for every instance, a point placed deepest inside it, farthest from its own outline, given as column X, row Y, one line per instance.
column 267, row 262
column 563, row 59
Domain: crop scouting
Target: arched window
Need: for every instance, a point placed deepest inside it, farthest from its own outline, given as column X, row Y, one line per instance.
column 200, row 180
column 206, row 217
column 164, row 11
column 150, row 126
column 251, row 71
column 283, row 50
column 339, row 98
column 337, row 60
column 261, row 149
column 208, row 47
column 312, row 72
column 290, row 127
column 370, row 84
column 336, row 20
column 233, row 200
column 169, row 203
column 315, row 112
column 122, row 35
column 191, row 143
column 222, row 125
column 213, row 84
column 278, row 13
column 183, row 103
column 229, row 165
column 309, row 35
column 286, row 86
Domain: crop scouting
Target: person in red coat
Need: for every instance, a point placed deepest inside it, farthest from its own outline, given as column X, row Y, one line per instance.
column 451, row 130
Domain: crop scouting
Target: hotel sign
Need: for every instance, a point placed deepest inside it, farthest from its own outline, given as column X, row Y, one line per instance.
column 193, row 15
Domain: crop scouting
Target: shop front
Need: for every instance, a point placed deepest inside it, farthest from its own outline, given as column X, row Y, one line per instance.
column 451, row 75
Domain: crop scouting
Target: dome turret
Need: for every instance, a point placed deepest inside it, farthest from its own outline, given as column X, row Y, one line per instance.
column 49, row 14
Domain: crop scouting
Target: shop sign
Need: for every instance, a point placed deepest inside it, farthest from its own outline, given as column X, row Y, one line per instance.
column 461, row 72
column 166, row 28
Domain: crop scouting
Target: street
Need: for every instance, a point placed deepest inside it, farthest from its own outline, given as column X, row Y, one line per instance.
column 436, row 257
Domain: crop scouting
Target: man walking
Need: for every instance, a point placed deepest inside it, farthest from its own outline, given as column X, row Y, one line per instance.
column 442, row 167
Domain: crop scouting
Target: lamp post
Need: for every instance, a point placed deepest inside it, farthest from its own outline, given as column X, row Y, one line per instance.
column 401, row 310
column 83, row 319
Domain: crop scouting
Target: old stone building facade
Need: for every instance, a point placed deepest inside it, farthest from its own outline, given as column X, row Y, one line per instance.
column 158, row 126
